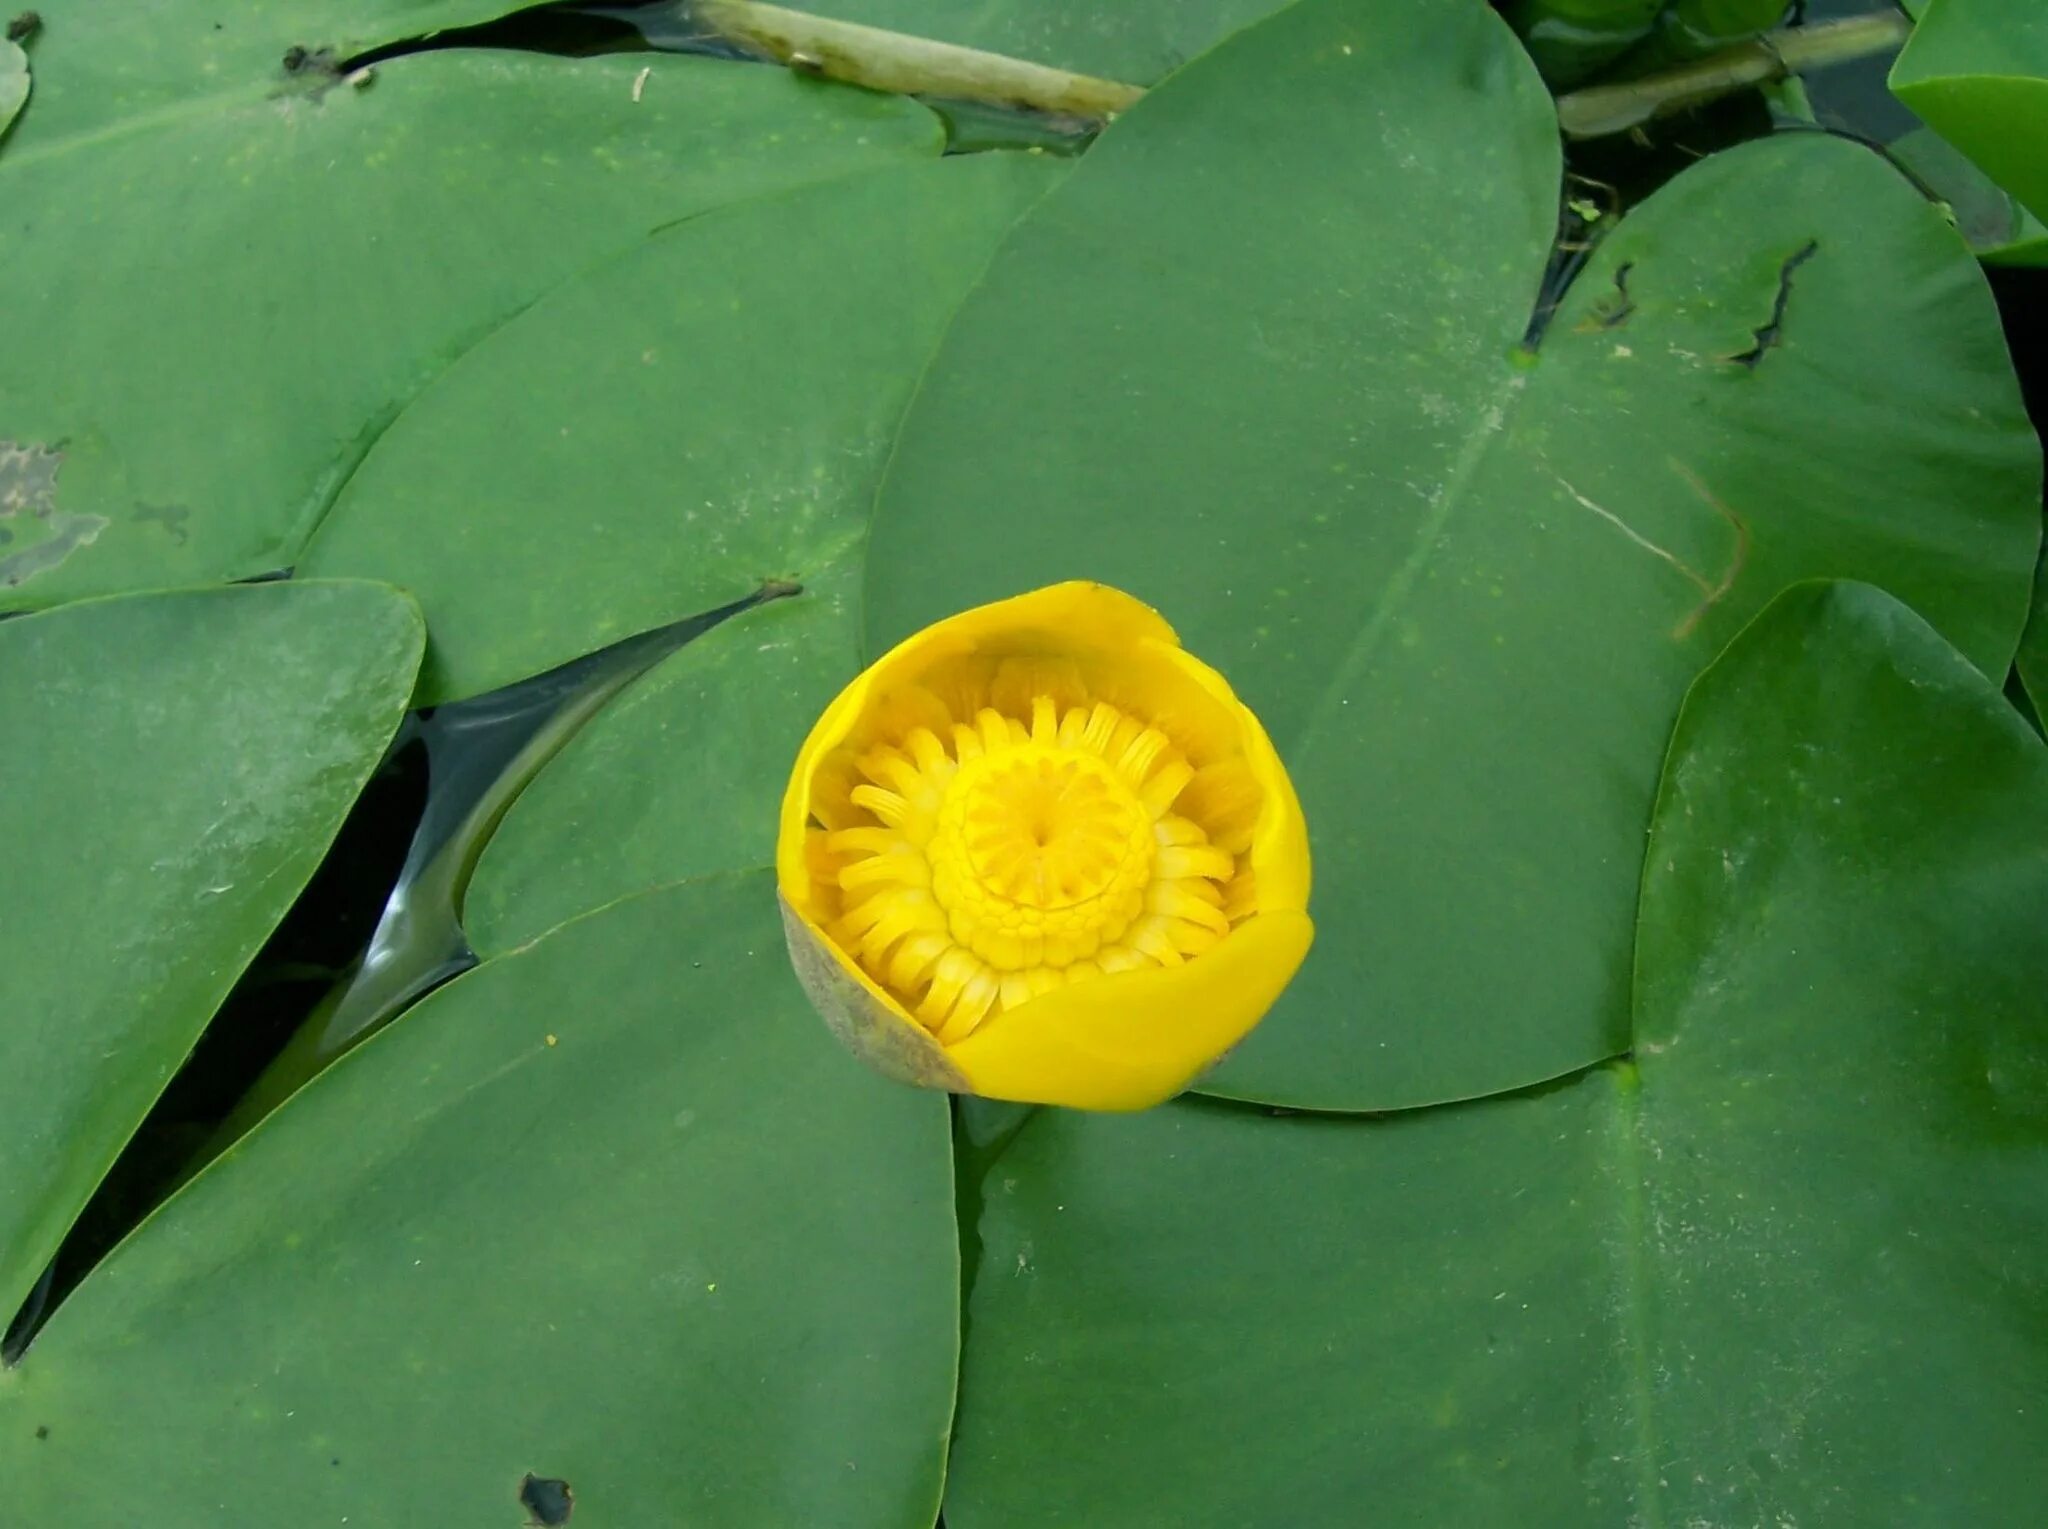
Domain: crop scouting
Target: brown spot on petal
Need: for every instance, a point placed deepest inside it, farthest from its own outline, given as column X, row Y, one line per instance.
column 868, row 1028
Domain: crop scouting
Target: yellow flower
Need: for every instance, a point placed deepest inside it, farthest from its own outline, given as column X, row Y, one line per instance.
column 1040, row 852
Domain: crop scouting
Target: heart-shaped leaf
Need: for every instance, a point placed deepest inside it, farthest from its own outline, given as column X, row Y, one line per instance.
column 1976, row 71
column 682, row 776
column 236, row 275
column 1783, row 1269
column 1265, row 368
column 550, row 1226
column 735, row 380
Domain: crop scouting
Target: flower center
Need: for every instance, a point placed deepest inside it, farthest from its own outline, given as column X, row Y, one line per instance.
column 1035, row 834
column 1013, row 856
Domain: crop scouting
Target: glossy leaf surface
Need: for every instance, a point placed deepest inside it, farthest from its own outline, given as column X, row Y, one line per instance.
column 175, row 767
column 548, row 1225
column 221, row 301
column 1977, row 72
column 682, row 776
column 1464, row 586
column 1784, row 1269
column 733, row 385
column 122, row 68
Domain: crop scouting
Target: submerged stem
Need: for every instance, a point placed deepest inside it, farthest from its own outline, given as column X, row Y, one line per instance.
column 1600, row 110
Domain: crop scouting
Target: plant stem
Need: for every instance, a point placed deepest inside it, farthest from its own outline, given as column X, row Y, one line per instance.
column 903, row 65
column 1603, row 109
column 911, row 66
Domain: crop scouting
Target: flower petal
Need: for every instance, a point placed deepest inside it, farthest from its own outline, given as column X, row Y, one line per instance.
column 1280, row 838
column 1060, row 621
column 868, row 1022
column 1128, row 1041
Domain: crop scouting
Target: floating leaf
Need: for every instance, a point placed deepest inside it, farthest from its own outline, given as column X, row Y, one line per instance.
column 1264, row 369
column 1976, row 71
column 549, row 1227
column 1788, row 1271
column 121, row 67
column 732, row 385
column 224, row 296
column 176, row 765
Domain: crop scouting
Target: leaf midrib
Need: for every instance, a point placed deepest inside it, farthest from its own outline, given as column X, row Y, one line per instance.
column 1394, row 594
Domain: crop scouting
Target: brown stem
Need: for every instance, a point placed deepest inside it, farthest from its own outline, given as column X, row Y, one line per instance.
column 1603, row 109
column 904, row 65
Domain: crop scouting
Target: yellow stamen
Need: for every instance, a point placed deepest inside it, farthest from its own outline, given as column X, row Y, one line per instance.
column 1000, row 856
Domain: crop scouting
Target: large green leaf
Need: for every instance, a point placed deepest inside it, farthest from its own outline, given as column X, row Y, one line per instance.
column 115, row 69
column 1977, row 72
column 1262, row 368
column 175, row 766
column 1786, row 1269
column 216, row 304
column 682, row 776
column 709, row 412
column 614, row 1211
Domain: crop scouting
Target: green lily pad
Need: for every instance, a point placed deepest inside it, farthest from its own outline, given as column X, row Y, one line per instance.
column 542, row 1227
column 1787, row 1268
column 124, row 68
column 1265, row 370
column 682, row 776
column 176, row 765
column 222, row 300
column 705, row 415
column 1976, row 71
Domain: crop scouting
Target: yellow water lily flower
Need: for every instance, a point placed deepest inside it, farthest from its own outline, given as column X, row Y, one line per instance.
column 1041, row 852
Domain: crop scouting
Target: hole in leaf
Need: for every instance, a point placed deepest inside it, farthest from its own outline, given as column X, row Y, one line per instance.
column 548, row 1499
